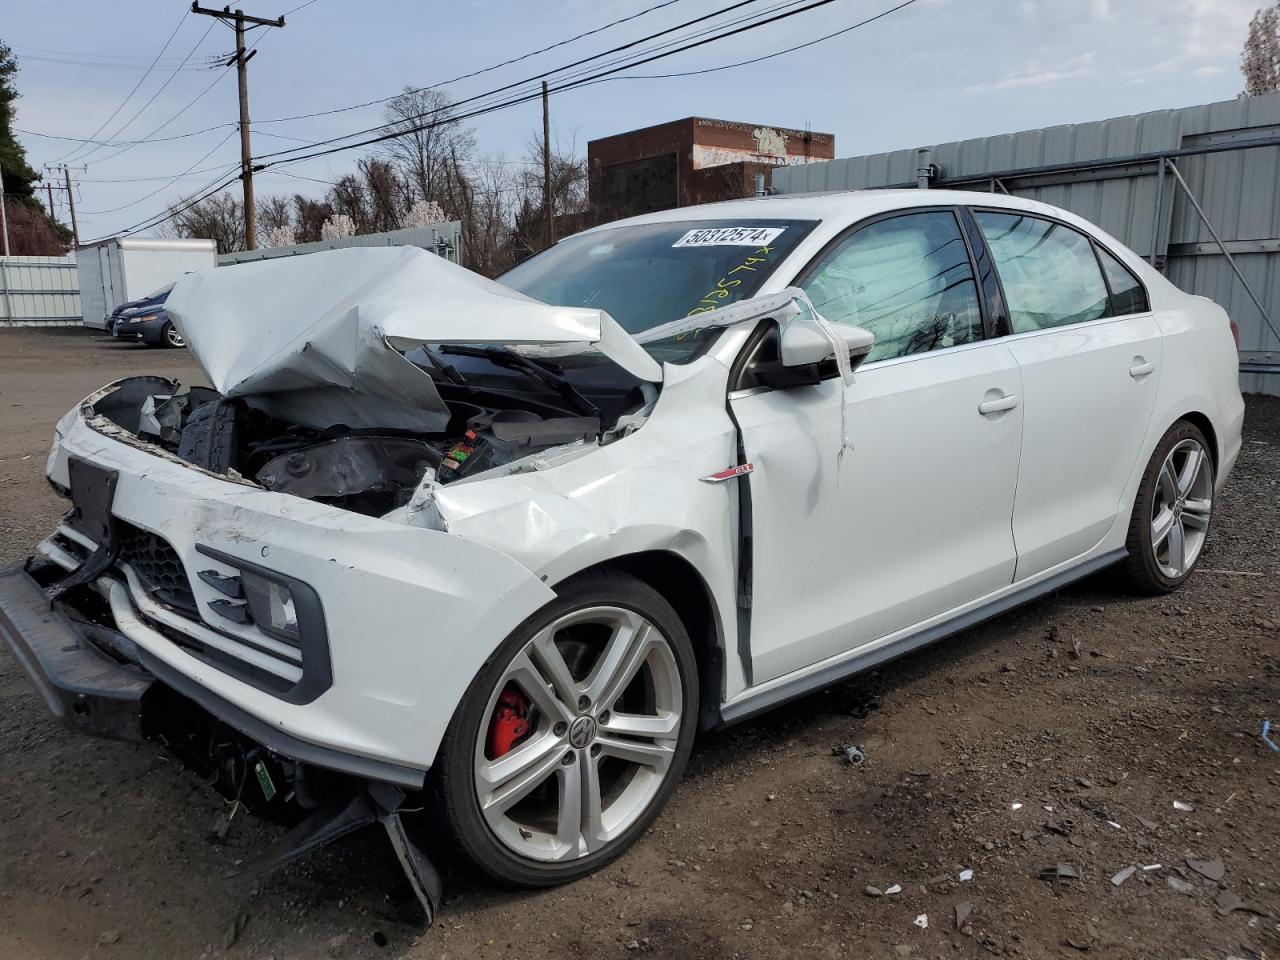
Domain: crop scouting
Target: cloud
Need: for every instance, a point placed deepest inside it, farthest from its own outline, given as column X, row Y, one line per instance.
column 1033, row 75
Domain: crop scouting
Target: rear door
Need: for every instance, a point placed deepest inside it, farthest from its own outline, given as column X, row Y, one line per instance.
column 914, row 520
column 1090, row 350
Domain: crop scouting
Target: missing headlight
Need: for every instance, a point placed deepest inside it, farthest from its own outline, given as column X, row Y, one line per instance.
column 272, row 607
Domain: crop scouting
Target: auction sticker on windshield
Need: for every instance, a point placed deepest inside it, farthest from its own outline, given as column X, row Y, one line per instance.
column 730, row 237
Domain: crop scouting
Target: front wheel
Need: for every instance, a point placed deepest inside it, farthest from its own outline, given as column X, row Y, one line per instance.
column 171, row 336
column 573, row 736
column 1171, row 515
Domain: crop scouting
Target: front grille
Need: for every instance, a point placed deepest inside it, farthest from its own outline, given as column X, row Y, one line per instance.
column 157, row 567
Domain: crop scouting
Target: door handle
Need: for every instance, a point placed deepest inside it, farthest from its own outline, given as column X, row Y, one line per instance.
column 998, row 405
column 1140, row 368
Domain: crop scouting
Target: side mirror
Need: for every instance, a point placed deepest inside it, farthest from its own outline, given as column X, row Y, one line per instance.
column 802, row 342
column 806, row 357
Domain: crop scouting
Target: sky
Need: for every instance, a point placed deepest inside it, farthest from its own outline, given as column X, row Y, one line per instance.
column 931, row 72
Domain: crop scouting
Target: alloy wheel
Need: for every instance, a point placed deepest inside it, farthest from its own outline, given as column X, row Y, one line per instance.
column 172, row 336
column 596, row 700
column 1181, row 508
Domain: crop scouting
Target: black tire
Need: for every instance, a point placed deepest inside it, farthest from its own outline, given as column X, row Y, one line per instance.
column 1140, row 569
column 453, row 775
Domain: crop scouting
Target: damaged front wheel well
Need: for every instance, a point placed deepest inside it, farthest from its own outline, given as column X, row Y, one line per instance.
column 684, row 588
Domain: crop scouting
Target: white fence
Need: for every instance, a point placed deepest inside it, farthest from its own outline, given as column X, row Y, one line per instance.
column 39, row 291
column 45, row 291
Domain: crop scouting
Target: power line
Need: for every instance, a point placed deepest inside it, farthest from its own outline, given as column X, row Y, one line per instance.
column 474, row 73
column 121, row 143
column 538, row 77
column 136, row 86
column 90, row 55
column 106, row 65
column 770, row 56
column 154, row 221
column 134, row 203
column 608, row 71
column 524, row 98
column 194, row 100
column 137, row 113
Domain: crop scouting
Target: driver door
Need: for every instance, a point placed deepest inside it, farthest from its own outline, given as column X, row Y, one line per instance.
column 916, row 519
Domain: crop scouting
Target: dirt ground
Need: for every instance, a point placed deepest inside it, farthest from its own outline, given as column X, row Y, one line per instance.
column 1062, row 733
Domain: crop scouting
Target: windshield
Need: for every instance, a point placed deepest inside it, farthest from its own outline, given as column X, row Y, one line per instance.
column 648, row 274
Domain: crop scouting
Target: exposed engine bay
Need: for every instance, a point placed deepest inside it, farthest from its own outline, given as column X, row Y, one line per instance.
column 366, row 470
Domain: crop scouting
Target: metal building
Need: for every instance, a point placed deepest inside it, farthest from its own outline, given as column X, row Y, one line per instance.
column 1195, row 190
column 443, row 239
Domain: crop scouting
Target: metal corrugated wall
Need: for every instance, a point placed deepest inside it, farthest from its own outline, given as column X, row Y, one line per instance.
column 39, row 291
column 443, row 239
column 1239, row 191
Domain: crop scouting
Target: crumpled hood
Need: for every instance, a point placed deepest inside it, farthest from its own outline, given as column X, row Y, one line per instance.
column 316, row 339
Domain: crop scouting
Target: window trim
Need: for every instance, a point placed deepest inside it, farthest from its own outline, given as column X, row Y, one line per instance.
column 1098, row 251
column 957, row 211
column 1094, row 243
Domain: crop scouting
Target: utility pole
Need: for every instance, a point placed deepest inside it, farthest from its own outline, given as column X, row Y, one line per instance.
column 4, row 262
column 4, row 221
column 546, row 166
column 241, row 59
column 49, row 190
column 71, row 203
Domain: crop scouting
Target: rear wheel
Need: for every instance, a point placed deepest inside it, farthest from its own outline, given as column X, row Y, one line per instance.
column 1171, row 515
column 573, row 736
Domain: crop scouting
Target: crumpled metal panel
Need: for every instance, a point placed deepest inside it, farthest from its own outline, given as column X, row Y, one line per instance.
column 317, row 339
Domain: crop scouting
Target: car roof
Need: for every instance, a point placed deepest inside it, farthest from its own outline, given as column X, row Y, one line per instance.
column 842, row 205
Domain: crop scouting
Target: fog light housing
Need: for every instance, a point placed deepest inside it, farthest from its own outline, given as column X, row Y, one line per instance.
column 272, row 606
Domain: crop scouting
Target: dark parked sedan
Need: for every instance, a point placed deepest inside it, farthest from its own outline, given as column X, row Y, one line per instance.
column 153, row 327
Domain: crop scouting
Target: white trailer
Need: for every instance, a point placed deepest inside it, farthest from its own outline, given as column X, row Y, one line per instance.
column 122, row 269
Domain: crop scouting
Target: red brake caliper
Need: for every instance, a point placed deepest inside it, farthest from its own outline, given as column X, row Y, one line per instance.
column 510, row 722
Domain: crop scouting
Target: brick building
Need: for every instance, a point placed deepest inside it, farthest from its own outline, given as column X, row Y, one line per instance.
column 690, row 161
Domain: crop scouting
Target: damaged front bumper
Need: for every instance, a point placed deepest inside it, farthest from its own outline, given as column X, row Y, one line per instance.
column 400, row 618
column 81, row 685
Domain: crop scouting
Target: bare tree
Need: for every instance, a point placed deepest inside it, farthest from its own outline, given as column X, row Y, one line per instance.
column 1260, row 59
column 219, row 218
column 483, row 194
column 429, row 144
column 274, row 219
column 309, row 217
column 568, row 194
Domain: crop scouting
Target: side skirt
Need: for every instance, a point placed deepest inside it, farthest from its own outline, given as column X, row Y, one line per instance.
column 800, row 686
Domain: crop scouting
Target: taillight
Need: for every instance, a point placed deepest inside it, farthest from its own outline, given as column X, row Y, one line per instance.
column 1235, row 334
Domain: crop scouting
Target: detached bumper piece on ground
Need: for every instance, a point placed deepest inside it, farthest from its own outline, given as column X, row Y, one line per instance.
column 98, row 682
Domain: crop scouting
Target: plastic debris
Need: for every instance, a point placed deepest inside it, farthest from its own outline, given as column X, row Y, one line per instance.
column 922, row 921
column 1227, row 902
column 1266, row 736
column 1113, row 825
column 853, row 756
column 1123, row 875
column 1055, row 874
column 1152, row 866
column 1183, row 806
column 963, row 909
column 890, row 891
column 1015, row 805
column 1213, row 870
column 966, row 875
column 1177, row 883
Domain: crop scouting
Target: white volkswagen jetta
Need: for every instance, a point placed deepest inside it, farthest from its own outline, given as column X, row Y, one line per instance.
column 512, row 544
